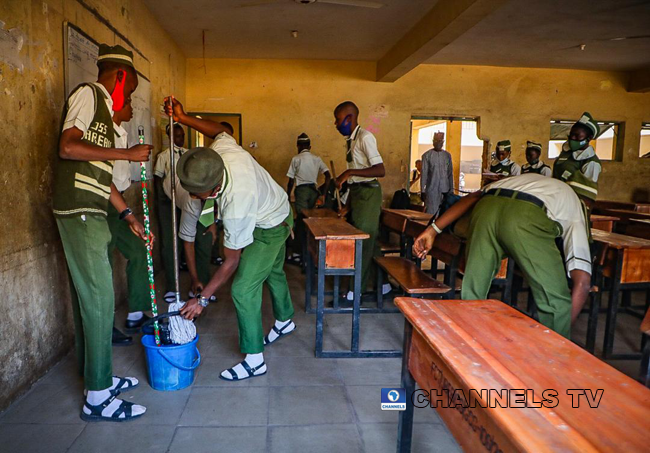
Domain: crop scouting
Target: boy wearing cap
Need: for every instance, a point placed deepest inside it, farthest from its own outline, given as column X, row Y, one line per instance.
column 437, row 175
column 132, row 248
column 257, row 221
column 578, row 165
column 520, row 218
column 533, row 164
column 501, row 164
column 83, row 190
column 365, row 165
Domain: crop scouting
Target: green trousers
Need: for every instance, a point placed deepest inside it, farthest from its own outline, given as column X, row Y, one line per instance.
column 135, row 251
column 166, row 237
column 203, row 253
column 85, row 244
column 262, row 261
column 306, row 196
column 505, row 227
column 365, row 209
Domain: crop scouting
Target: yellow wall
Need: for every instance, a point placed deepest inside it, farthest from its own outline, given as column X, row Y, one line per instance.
column 279, row 99
column 36, row 328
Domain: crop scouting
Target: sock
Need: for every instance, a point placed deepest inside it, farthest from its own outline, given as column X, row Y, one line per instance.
column 279, row 325
column 96, row 397
column 134, row 316
column 386, row 288
column 134, row 382
column 253, row 360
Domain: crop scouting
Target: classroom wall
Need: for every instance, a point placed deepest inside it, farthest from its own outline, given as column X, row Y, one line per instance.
column 36, row 324
column 279, row 99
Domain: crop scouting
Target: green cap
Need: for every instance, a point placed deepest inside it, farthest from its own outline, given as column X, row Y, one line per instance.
column 590, row 123
column 115, row 54
column 503, row 145
column 200, row 170
column 534, row 145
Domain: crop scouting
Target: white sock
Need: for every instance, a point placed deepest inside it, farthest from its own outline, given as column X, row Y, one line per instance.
column 96, row 397
column 279, row 325
column 386, row 288
column 134, row 381
column 135, row 316
column 253, row 360
column 350, row 296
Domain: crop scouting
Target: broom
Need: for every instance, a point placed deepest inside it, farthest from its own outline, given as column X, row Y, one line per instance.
column 147, row 231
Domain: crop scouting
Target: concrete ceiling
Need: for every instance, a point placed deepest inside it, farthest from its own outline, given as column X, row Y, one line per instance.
column 548, row 34
column 325, row 31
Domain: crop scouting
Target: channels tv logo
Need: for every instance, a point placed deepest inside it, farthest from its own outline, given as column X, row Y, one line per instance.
column 393, row 399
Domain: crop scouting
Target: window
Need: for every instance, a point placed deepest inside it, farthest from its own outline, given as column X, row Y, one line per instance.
column 644, row 146
column 606, row 144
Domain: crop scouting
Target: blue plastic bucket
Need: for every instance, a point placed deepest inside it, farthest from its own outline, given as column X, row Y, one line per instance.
column 170, row 367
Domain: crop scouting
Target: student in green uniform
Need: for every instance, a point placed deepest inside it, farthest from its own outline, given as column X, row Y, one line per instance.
column 365, row 165
column 130, row 246
column 257, row 221
column 520, row 218
column 83, row 190
column 501, row 164
column 533, row 164
column 303, row 172
column 578, row 165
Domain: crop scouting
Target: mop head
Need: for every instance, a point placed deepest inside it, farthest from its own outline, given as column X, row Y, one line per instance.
column 181, row 330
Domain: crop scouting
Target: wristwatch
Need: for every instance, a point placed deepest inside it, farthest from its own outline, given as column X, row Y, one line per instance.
column 202, row 300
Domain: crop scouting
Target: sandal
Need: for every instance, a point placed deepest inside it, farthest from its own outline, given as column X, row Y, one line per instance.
column 125, row 384
column 247, row 368
column 281, row 333
column 96, row 412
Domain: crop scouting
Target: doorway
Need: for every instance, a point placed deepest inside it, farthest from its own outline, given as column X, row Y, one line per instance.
column 461, row 141
column 234, row 119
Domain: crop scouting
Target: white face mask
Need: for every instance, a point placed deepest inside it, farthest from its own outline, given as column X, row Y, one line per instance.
column 505, row 161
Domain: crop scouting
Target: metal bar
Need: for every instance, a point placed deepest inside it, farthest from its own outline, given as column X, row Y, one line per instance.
column 172, row 145
column 358, row 244
column 362, row 354
column 506, row 295
column 309, row 271
column 320, row 298
column 610, row 324
column 335, row 302
column 405, row 423
column 380, row 284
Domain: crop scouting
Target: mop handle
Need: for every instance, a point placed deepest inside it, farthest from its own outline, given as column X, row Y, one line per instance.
column 172, row 165
column 336, row 189
column 147, row 231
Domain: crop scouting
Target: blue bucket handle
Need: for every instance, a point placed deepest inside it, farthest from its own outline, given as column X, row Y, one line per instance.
column 197, row 362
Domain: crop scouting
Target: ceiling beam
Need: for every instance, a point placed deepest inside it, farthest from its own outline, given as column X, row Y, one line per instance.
column 446, row 21
column 639, row 81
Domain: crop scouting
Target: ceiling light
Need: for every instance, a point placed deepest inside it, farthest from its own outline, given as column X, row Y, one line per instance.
column 582, row 46
column 294, row 33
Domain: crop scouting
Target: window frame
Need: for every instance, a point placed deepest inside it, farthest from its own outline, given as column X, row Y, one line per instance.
column 617, row 145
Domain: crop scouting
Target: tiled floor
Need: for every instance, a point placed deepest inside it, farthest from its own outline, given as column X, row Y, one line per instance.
column 303, row 404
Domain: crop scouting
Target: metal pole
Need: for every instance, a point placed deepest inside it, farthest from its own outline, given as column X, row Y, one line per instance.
column 173, row 189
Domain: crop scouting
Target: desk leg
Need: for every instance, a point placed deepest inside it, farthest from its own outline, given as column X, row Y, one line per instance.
column 309, row 275
column 337, row 289
column 592, row 323
column 380, row 283
column 356, row 310
column 612, row 309
column 320, row 298
column 506, row 295
column 408, row 243
column 405, row 424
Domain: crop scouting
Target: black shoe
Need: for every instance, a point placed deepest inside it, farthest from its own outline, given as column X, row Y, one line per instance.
column 119, row 339
column 134, row 326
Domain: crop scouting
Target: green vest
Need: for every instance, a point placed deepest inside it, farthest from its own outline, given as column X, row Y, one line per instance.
column 529, row 169
column 82, row 187
column 568, row 169
column 501, row 169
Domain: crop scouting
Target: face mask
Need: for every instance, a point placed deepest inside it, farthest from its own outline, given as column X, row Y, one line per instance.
column 575, row 145
column 345, row 128
column 118, row 92
column 533, row 162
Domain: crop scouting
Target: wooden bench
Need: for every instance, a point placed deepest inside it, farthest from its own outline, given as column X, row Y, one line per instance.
column 395, row 220
column 410, row 278
column 387, row 248
column 320, row 213
column 603, row 222
column 453, row 346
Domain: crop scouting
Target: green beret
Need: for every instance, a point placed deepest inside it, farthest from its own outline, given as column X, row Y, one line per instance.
column 590, row 123
column 115, row 54
column 200, row 170
column 533, row 145
column 503, row 145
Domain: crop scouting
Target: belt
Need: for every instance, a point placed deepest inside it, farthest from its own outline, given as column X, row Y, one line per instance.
column 374, row 183
column 507, row 193
column 309, row 184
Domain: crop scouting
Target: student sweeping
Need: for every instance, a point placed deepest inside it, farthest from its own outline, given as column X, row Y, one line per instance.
column 520, row 218
column 533, row 164
column 365, row 165
column 501, row 165
column 257, row 221
column 578, row 165
column 131, row 247
column 83, row 191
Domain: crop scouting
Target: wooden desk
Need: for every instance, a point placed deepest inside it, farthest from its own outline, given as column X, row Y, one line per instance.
column 627, row 265
column 639, row 228
column 603, row 222
column 486, row 345
column 642, row 207
column 319, row 213
column 397, row 219
column 336, row 247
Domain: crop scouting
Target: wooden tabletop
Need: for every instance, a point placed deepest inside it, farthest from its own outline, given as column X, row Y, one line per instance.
column 619, row 241
column 320, row 213
column 408, row 214
column 325, row 228
column 602, row 218
column 489, row 345
column 625, row 214
column 641, row 221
